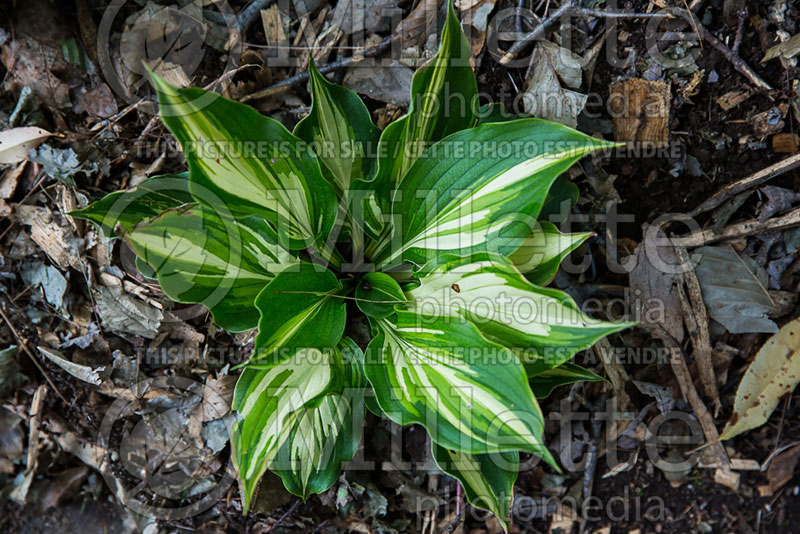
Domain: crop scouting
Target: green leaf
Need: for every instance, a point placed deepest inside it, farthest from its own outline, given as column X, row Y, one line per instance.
column 377, row 294
column 543, row 382
column 540, row 254
column 249, row 162
column 480, row 190
column 443, row 101
column 562, row 196
column 139, row 204
column 487, row 479
column 301, row 307
column 326, row 435
column 538, row 323
column 201, row 257
column 341, row 131
column 269, row 402
column 496, row 112
column 470, row 394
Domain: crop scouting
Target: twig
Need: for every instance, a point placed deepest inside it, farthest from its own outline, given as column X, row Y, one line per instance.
column 738, row 230
column 742, row 14
column 616, row 374
column 737, row 62
column 452, row 525
column 284, row 516
column 537, row 32
column 616, row 14
column 459, row 497
column 303, row 76
column 681, row 372
column 731, row 190
column 33, row 358
column 249, row 14
column 20, row 492
column 591, row 459
column 696, row 318
column 570, row 8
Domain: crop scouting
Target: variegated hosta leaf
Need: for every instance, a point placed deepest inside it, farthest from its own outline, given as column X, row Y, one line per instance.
column 139, row 204
column 201, row 257
column 543, row 382
column 471, row 395
column 249, row 162
column 327, row 434
column 269, row 402
column 443, row 101
column 562, row 196
column 301, row 307
column 487, row 479
column 479, row 190
column 540, row 324
column 377, row 294
column 540, row 254
column 340, row 130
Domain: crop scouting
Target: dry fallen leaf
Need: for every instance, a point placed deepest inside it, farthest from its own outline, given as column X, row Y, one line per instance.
column 15, row 143
column 775, row 372
column 780, row 471
column 544, row 97
column 88, row 374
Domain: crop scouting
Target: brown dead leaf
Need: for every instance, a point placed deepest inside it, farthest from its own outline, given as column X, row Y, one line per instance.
column 217, row 396
column 49, row 493
column 781, row 470
column 419, row 24
column 31, row 63
column 653, row 293
column 10, row 179
column 475, row 14
column 57, row 241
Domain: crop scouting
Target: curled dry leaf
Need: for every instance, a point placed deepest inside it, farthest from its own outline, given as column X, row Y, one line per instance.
column 90, row 375
column 15, row 143
column 775, row 372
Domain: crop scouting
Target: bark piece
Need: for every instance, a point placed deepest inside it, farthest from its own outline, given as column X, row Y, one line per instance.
column 640, row 109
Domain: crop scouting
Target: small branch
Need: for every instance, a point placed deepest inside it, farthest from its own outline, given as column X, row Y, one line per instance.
column 249, row 14
column 284, row 516
column 684, row 377
column 616, row 14
column 324, row 69
column 520, row 45
column 737, row 62
column 570, row 8
column 742, row 14
column 696, row 318
column 731, row 190
column 738, row 230
column 34, row 359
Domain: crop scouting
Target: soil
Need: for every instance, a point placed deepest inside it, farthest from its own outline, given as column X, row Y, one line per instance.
column 640, row 499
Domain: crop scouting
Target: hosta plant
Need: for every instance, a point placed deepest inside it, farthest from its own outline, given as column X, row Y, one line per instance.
column 428, row 229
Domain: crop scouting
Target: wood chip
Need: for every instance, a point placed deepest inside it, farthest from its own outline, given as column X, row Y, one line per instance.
column 640, row 109
column 732, row 99
column 787, row 143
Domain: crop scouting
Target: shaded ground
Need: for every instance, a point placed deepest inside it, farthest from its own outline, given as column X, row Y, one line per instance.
column 713, row 147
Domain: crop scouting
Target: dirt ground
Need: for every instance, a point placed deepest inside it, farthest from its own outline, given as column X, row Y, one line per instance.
column 103, row 145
